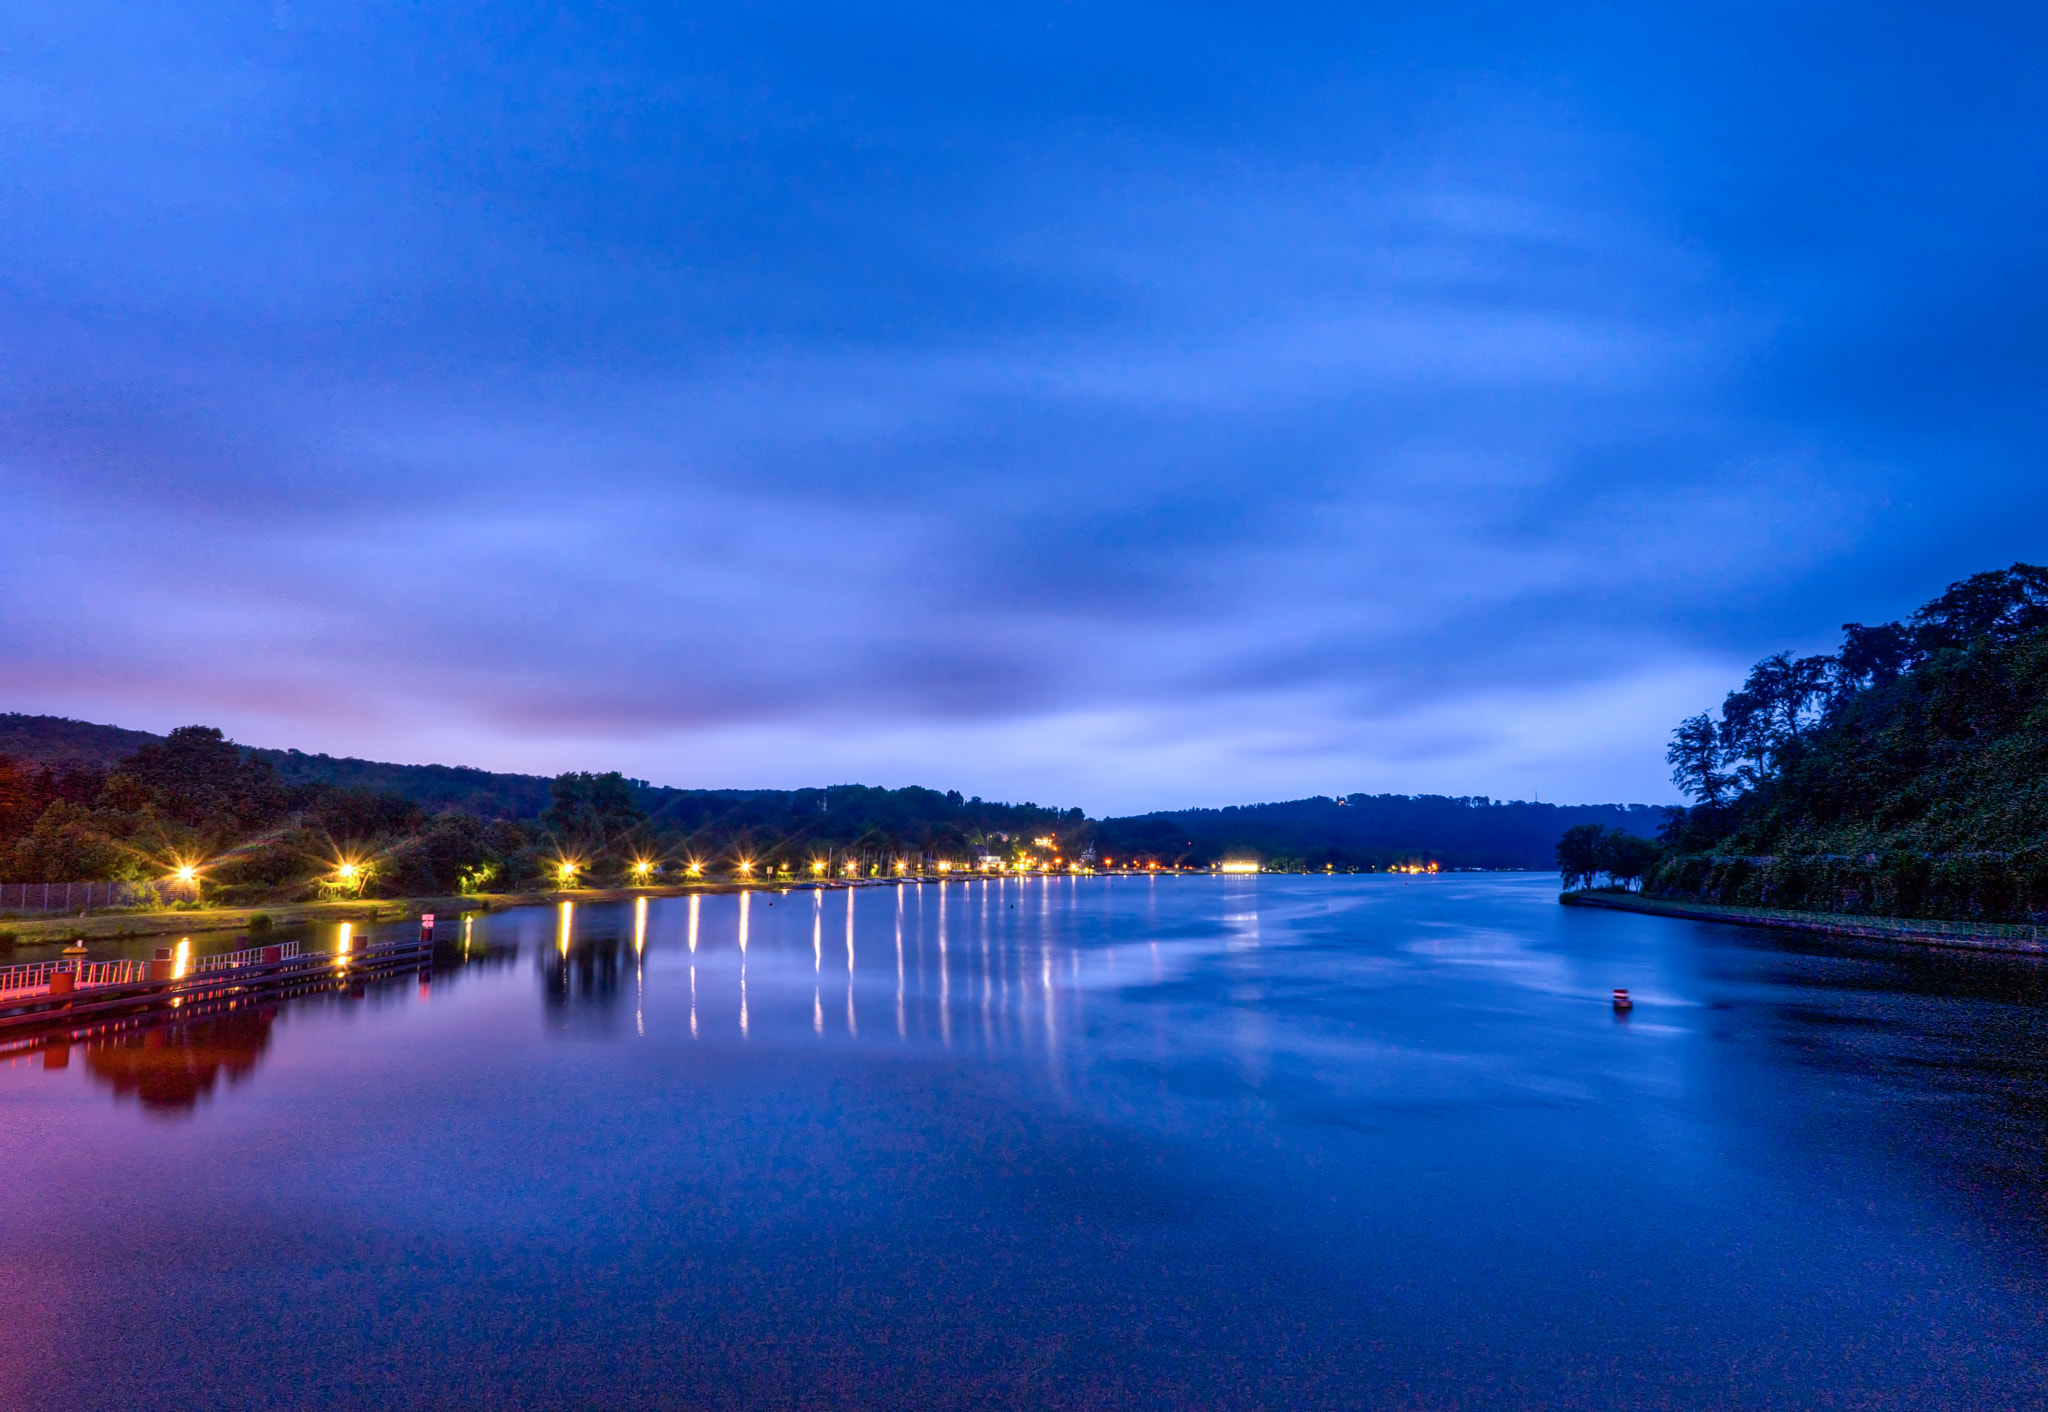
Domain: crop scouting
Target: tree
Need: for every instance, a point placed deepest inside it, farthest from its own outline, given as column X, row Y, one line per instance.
column 1695, row 757
column 2003, row 605
column 1579, row 855
column 199, row 777
column 1626, row 858
column 1869, row 657
column 592, row 809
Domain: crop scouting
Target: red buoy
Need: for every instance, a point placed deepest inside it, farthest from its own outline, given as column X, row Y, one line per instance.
column 1621, row 1000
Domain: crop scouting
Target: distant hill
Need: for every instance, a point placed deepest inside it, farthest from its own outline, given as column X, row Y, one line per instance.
column 480, row 792
column 1371, row 831
column 1358, row 831
column 57, row 740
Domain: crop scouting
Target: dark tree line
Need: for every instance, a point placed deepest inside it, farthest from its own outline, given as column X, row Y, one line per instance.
column 1906, row 772
column 197, row 799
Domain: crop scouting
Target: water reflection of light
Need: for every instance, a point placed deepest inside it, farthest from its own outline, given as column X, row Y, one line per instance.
column 467, row 923
column 945, row 976
column 899, row 964
column 818, row 933
column 564, row 922
column 341, row 945
column 640, row 964
column 694, row 901
column 745, row 899
column 182, row 962
column 852, row 1024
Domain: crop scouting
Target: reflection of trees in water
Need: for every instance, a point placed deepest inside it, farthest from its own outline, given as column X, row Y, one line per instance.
column 1951, row 1046
column 168, row 1067
column 584, row 983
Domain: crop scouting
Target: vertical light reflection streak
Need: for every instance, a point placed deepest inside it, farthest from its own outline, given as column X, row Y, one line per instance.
column 1005, row 939
column 564, row 922
column 852, row 1024
column 745, row 898
column 695, row 900
column 987, row 1036
column 900, row 1032
column 945, row 977
column 640, row 965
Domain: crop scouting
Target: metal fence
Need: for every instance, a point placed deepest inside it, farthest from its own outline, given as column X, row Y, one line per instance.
column 86, row 896
column 36, row 975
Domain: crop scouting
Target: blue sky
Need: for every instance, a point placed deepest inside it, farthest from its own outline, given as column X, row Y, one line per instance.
column 1109, row 405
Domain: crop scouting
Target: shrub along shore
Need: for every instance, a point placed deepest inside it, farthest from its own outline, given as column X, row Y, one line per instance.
column 1970, row 936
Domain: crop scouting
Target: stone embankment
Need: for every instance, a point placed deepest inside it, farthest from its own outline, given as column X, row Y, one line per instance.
column 1968, row 936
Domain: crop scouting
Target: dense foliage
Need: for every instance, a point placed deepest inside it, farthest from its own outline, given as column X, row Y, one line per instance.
column 1906, row 774
column 196, row 798
column 81, row 802
column 1588, row 852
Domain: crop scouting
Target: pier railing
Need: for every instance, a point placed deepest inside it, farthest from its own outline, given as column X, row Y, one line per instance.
column 36, row 975
column 254, row 956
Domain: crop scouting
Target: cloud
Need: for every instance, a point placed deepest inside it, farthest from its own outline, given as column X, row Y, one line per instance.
column 1242, row 405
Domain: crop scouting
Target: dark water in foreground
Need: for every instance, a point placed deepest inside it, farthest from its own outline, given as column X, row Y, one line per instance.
column 1272, row 1142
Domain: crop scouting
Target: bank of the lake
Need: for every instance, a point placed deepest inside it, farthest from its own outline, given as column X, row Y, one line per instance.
column 115, row 925
column 1971, row 936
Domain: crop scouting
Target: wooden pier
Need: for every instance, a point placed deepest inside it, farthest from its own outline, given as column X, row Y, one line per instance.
column 76, row 1001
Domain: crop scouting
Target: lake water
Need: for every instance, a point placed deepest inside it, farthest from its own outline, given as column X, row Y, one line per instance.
column 1261, row 1142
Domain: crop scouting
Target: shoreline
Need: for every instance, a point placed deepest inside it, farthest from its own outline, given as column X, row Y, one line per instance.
column 1962, row 936
column 117, row 925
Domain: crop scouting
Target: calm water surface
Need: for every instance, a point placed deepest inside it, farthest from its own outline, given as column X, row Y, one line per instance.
column 1265, row 1142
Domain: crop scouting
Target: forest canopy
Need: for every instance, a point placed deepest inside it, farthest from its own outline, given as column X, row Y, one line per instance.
column 80, row 802
column 1905, row 773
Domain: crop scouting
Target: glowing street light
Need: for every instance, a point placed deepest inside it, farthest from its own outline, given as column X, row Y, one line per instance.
column 565, row 871
column 642, row 868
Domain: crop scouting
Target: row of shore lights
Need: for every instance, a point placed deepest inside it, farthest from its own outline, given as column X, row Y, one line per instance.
column 643, row 869
column 350, row 874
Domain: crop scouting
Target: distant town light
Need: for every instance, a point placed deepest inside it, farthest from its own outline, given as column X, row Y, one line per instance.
column 1238, row 866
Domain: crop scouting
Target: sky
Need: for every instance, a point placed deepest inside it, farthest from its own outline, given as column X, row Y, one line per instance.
column 1108, row 405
